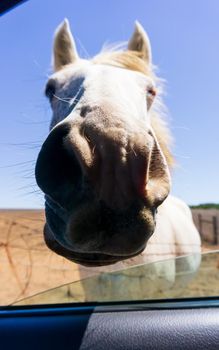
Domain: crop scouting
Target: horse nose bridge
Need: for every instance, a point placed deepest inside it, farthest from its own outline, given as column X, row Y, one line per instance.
column 113, row 157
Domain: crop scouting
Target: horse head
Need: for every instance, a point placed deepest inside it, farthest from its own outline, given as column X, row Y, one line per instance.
column 103, row 168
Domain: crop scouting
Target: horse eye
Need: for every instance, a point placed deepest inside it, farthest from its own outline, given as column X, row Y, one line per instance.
column 151, row 91
column 50, row 89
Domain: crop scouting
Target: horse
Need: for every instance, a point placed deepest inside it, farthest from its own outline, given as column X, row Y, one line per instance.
column 105, row 167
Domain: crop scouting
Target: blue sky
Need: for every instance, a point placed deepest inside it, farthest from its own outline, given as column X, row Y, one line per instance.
column 185, row 43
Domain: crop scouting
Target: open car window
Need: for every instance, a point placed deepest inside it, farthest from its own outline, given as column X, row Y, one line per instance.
column 49, row 264
column 144, row 282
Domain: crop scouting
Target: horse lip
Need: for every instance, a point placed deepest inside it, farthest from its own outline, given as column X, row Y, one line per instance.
column 56, row 218
column 55, row 207
column 55, row 212
column 84, row 259
column 109, row 257
column 56, row 222
column 96, row 263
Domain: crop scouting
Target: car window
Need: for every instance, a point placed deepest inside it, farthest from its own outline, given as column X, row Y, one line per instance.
column 108, row 141
column 143, row 282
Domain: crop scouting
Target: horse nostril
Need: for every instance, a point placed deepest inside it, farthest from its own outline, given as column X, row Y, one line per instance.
column 57, row 172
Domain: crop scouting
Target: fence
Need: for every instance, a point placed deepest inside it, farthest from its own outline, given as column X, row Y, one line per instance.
column 207, row 223
column 28, row 267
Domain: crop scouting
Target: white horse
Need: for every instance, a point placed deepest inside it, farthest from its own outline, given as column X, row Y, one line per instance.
column 105, row 165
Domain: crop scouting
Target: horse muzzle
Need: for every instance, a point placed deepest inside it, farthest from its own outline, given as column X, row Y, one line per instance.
column 105, row 180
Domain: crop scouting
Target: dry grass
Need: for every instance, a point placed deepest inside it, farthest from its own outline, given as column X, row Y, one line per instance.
column 27, row 266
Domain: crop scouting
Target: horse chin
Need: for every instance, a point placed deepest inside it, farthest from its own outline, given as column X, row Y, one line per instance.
column 94, row 235
column 84, row 259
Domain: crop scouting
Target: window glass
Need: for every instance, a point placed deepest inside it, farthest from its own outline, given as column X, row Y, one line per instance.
column 115, row 101
column 143, row 282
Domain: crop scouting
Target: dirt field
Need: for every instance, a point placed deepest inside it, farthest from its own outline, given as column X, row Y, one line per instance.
column 28, row 267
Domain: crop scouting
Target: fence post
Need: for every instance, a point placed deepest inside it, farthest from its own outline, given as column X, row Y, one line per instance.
column 215, row 230
column 200, row 224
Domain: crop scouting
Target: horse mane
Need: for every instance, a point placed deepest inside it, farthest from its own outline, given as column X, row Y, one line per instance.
column 132, row 60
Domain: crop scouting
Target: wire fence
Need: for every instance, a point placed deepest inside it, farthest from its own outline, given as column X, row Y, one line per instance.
column 27, row 266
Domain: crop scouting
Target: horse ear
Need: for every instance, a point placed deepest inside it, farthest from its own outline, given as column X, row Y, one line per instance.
column 140, row 42
column 64, row 49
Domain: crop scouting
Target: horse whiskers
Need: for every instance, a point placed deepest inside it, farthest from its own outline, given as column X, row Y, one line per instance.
column 84, row 49
column 25, row 173
column 86, row 137
column 61, row 99
column 29, row 190
column 134, row 152
column 27, row 186
column 69, row 99
column 26, row 146
column 74, row 99
column 31, row 193
column 18, row 164
column 130, row 151
column 34, row 122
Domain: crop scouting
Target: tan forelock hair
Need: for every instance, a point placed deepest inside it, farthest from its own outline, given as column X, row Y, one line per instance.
column 133, row 60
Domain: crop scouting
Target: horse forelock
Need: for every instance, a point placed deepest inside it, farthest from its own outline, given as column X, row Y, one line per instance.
column 132, row 60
